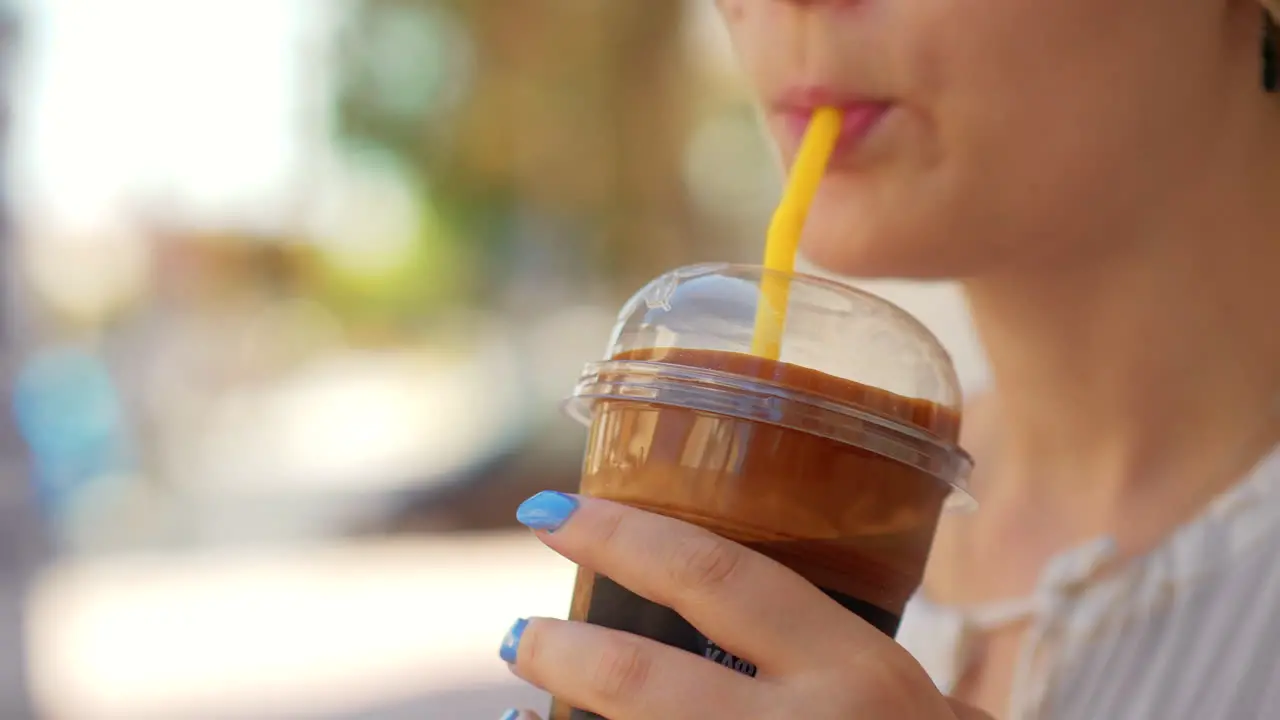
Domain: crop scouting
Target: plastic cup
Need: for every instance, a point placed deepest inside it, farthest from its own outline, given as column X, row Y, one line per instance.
column 836, row 460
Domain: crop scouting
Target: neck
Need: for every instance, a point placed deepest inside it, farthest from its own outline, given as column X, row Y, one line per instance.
column 1147, row 380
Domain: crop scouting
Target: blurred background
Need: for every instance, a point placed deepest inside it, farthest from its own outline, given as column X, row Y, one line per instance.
column 291, row 291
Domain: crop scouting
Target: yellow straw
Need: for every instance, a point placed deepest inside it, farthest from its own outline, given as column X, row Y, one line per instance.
column 783, row 240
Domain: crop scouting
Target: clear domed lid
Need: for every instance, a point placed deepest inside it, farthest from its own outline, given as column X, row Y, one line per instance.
column 876, row 364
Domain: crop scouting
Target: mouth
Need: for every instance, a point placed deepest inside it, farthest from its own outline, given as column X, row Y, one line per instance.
column 859, row 115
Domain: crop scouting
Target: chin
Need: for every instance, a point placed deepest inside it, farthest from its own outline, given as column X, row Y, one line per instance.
column 874, row 264
column 910, row 250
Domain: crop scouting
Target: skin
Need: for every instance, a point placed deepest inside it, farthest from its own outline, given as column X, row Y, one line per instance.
column 815, row 662
column 1103, row 178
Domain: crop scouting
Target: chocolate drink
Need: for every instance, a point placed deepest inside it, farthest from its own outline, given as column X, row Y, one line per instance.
column 852, row 521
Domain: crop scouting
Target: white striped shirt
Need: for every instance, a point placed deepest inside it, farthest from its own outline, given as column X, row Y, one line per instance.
column 1190, row 631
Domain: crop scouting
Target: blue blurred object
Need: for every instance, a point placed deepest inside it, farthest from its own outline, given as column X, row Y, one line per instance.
column 68, row 412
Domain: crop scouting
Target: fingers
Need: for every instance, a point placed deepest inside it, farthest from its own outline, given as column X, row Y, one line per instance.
column 520, row 715
column 625, row 677
column 748, row 604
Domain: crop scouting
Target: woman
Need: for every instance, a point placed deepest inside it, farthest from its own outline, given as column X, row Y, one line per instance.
column 1103, row 176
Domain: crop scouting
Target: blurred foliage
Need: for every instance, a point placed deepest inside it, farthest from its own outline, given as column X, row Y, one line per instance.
column 408, row 284
column 574, row 111
column 396, row 60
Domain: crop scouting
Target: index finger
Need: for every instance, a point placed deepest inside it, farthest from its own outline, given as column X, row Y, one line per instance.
column 751, row 605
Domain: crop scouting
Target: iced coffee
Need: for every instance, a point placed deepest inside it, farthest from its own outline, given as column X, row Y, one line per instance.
column 835, row 464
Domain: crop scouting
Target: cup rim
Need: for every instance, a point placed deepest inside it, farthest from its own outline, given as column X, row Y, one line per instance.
column 758, row 400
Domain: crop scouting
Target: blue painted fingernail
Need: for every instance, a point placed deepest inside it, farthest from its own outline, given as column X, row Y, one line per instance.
column 510, row 715
column 511, row 643
column 547, row 510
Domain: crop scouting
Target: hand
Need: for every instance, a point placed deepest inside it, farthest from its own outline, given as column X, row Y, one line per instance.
column 815, row 659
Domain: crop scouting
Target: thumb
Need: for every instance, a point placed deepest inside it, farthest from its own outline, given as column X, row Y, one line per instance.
column 962, row 711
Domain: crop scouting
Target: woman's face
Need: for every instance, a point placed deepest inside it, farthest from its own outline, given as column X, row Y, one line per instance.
column 981, row 133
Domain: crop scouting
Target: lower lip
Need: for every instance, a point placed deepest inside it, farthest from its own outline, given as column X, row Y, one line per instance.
column 856, row 124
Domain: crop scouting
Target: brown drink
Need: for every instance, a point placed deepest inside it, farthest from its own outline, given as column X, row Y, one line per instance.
column 835, row 479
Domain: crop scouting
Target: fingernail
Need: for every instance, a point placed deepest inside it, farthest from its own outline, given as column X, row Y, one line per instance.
column 510, row 715
column 511, row 643
column 546, row 511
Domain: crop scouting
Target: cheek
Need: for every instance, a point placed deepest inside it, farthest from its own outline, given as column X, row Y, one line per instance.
column 964, row 175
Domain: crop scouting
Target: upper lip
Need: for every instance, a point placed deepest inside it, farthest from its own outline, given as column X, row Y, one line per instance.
column 811, row 97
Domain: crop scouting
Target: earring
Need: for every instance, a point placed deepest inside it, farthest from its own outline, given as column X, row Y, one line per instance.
column 1270, row 54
